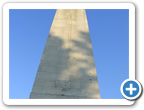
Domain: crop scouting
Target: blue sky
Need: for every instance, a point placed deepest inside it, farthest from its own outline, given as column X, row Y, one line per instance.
column 109, row 32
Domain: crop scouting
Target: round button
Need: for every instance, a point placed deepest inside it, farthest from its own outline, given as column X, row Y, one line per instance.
column 131, row 89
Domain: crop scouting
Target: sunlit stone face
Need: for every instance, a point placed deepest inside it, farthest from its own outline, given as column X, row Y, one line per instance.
column 67, row 69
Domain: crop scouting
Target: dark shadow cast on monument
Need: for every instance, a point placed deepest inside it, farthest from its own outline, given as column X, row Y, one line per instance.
column 86, row 67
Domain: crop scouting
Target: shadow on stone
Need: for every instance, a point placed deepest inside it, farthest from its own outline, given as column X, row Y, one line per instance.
column 67, row 68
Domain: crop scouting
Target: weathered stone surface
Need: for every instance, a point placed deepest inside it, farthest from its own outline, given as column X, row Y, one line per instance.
column 37, row 96
column 67, row 68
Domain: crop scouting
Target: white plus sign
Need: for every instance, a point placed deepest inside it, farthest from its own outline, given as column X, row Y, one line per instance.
column 131, row 89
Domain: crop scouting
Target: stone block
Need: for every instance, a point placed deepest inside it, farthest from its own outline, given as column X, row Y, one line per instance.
column 81, row 78
column 62, row 53
column 52, row 63
column 36, row 81
column 48, row 96
column 59, row 24
column 51, row 47
column 43, row 73
column 55, row 29
column 52, row 90
column 49, row 69
column 64, row 77
column 61, row 64
column 50, row 52
column 37, row 96
column 63, row 84
column 92, row 93
column 43, row 76
column 88, row 79
column 62, row 70
column 49, row 57
column 75, row 85
column 37, row 89
column 40, row 68
column 46, row 83
column 89, row 85
column 74, row 78
column 56, row 97
column 73, row 92
column 59, row 96
column 63, row 59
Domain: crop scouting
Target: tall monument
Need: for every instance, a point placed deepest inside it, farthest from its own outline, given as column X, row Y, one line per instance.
column 67, row 69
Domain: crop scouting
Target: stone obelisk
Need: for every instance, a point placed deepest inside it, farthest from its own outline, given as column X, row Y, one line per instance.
column 67, row 68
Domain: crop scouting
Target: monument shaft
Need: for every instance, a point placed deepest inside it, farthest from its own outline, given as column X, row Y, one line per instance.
column 67, row 69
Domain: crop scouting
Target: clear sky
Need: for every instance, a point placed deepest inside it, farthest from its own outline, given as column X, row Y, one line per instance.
column 109, row 32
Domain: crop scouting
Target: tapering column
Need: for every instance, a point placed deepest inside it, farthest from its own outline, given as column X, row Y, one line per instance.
column 67, row 69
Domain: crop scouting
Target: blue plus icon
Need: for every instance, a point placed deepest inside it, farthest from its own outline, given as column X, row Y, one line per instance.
column 130, row 89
